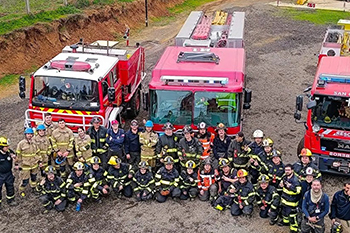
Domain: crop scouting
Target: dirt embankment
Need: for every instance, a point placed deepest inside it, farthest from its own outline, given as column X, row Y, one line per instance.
column 33, row 46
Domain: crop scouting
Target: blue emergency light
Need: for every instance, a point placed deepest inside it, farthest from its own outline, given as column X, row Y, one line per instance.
column 335, row 79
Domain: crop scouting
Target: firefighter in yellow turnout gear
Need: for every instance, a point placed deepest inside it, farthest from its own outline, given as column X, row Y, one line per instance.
column 83, row 146
column 43, row 143
column 148, row 141
column 28, row 161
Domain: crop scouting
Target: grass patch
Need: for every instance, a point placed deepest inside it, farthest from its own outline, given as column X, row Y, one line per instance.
column 188, row 5
column 9, row 80
column 316, row 16
column 28, row 20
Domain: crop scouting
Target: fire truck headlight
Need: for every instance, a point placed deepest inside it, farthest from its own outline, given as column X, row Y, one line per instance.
column 316, row 128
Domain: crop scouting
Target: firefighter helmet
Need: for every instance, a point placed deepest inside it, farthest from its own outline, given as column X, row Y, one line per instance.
column 267, row 142
column 337, row 227
column 242, row 173
column 50, row 169
column 190, row 164
column 264, row 179
column 95, row 160
column 78, row 166
column 187, row 129
column 305, row 152
column 96, row 120
column 114, row 160
column 224, row 162
column 220, row 126
column 258, row 134
column 309, row 171
column 4, row 141
column 143, row 164
column 202, row 125
column 29, row 131
column 168, row 125
column 207, row 161
column 275, row 153
column 41, row 127
column 327, row 120
column 168, row 160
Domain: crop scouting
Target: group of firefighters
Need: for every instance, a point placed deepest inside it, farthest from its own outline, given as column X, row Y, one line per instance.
column 231, row 173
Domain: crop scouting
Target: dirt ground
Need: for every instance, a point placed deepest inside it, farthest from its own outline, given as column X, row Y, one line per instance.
column 281, row 62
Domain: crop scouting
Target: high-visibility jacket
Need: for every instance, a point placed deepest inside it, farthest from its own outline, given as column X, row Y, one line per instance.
column 167, row 145
column 62, row 140
column 98, row 139
column 232, row 174
column 97, row 179
column 148, row 142
column 120, row 176
column 207, row 178
column 268, row 197
column 28, row 156
column 189, row 150
column 237, row 154
column 143, row 182
column 256, row 148
column 83, row 190
column 166, row 179
column 55, row 189
column 276, row 173
column 50, row 129
column 207, row 140
column 185, row 180
column 291, row 191
column 300, row 170
column 245, row 193
column 83, row 147
column 44, row 145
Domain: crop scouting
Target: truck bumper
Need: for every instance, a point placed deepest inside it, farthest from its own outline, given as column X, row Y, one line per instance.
column 333, row 165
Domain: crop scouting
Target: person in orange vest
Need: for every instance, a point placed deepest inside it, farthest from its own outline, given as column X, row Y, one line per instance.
column 207, row 185
column 206, row 138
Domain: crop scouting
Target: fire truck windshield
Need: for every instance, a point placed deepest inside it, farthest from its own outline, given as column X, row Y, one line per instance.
column 332, row 112
column 180, row 107
column 61, row 92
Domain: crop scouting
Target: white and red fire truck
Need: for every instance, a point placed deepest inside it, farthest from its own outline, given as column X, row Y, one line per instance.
column 202, row 78
column 100, row 79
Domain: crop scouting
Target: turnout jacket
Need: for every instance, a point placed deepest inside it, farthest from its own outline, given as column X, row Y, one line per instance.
column 188, row 180
column 27, row 155
column 319, row 209
column 83, row 147
column 300, row 170
column 167, row 145
column 340, row 207
column 237, row 154
column 220, row 147
column 142, row 182
column 207, row 178
column 62, row 140
column 244, row 194
column 166, row 179
column 97, row 178
column 6, row 162
column 276, row 173
column 148, row 141
column 189, row 150
column 256, row 149
column 73, row 179
column 232, row 174
column 206, row 140
column 268, row 197
column 44, row 147
column 55, row 189
column 290, row 195
column 120, row 176
column 98, row 139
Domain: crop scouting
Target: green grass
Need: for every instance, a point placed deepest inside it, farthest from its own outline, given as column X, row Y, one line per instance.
column 188, row 5
column 316, row 16
column 8, row 80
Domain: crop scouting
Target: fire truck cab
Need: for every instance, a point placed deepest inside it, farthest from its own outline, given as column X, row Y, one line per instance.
column 100, row 79
column 327, row 126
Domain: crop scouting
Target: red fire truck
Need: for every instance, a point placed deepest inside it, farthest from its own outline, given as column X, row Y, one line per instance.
column 202, row 78
column 100, row 79
column 327, row 126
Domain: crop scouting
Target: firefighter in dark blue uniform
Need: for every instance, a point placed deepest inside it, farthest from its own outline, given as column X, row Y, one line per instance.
column 97, row 179
column 304, row 163
column 6, row 176
column 143, row 182
column 189, row 181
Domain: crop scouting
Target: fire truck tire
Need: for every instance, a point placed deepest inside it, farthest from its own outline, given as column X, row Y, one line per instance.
column 135, row 105
column 300, row 146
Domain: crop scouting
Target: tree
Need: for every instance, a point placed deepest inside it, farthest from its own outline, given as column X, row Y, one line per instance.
column 27, row 6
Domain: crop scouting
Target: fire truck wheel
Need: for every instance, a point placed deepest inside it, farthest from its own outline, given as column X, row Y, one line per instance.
column 300, row 146
column 135, row 105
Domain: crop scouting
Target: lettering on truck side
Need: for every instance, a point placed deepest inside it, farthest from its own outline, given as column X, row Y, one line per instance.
column 342, row 134
column 336, row 154
column 340, row 93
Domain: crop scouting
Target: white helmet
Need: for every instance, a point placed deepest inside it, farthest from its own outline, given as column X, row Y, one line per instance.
column 258, row 134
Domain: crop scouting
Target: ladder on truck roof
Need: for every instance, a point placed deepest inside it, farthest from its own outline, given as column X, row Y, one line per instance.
column 198, row 57
column 200, row 30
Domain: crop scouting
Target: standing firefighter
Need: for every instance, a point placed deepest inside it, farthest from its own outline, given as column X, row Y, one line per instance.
column 62, row 143
column 28, row 161
column 77, row 185
column 238, row 152
column 43, row 143
column 167, row 181
column 244, row 195
column 132, row 144
column 53, row 191
column 290, row 197
column 206, row 138
column 83, row 146
column 220, row 145
column 143, row 182
column 188, row 181
column 98, row 135
column 189, row 148
column 148, row 140
column 207, row 178
column 256, row 161
column 6, row 176
column 268, row 199
column 97, row 179
column 275, row 169
column 119, row 177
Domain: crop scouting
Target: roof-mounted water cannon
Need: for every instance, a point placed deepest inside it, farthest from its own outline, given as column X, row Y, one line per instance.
column 22, row 87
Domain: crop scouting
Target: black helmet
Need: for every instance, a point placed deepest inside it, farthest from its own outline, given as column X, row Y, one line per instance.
column 187, row 129
column 168, row 125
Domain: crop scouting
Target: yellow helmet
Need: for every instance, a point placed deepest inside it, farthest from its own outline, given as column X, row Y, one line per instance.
column 50, row 169
column 327, row 120
column 263, row 179
column 168, row 160
column 143, row 164
column 95, row 160
column 224, row 162
column 4, row 141
column 190, row 164
column 220, row 126
column 305, row 152
column 78, row 166
column 267, row 142
column 114, row 160
column 242, row 173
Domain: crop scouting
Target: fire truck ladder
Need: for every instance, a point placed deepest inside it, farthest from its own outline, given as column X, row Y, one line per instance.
column 198, row 57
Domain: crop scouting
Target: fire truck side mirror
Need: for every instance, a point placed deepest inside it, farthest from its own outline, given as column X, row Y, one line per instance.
column 145, row 100
column 22, row 87
column 299, row 103
column 247, row 98
column 311, row 104
column 111, row 94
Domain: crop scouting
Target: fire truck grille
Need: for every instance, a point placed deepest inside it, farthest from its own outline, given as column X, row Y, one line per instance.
column 334, row 145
